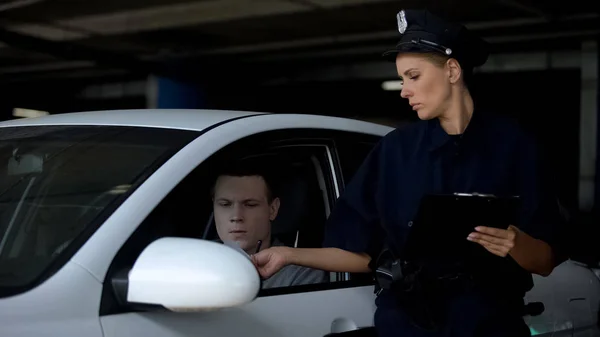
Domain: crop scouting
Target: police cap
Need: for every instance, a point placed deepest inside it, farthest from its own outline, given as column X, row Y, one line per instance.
column 422, row 31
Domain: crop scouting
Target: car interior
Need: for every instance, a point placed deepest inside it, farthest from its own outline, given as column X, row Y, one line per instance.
column 302, row 213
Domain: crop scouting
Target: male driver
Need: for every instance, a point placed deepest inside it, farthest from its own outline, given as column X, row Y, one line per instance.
column 244, row 205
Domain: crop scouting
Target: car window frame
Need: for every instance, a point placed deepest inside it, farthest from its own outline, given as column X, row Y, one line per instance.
column 342, row 139
column 277, row 138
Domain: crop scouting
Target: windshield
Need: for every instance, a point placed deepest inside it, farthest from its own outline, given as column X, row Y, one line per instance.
column 58, row 183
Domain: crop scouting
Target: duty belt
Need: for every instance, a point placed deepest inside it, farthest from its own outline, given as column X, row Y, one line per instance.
column 419, row 288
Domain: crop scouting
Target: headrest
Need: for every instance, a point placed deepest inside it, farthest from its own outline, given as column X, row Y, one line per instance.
column 293, row 193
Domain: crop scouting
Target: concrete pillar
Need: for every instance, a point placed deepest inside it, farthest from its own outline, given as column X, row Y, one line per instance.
column 166, row 93
column 588, row 141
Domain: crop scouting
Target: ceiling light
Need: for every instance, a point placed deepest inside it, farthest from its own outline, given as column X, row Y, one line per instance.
column 29, row 113
column 392, row 85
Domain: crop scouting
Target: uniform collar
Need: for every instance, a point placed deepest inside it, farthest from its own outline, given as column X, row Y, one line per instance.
column 438, row 136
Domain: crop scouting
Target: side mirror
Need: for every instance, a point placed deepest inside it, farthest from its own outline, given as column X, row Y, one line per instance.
column 183, row 274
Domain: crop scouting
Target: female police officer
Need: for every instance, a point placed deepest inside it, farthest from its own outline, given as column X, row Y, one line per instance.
column 453, row 148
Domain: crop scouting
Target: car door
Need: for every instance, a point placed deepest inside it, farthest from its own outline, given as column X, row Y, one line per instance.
column 345, row 303
column 571, row 299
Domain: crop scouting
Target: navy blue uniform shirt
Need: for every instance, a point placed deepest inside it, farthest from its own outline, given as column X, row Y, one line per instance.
column 492, row 156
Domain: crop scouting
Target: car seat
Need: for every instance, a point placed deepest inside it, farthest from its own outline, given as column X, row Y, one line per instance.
column 301, row 218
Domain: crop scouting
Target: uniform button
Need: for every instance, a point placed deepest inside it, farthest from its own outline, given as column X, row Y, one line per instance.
column 410, row 223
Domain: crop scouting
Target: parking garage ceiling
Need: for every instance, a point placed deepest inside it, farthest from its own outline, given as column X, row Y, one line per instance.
column 215, row 39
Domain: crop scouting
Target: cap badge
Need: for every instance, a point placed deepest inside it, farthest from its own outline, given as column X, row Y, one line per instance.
column 401, row 17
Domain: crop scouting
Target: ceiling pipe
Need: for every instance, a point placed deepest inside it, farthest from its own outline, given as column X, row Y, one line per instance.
column 17, row 4
column 329, row 41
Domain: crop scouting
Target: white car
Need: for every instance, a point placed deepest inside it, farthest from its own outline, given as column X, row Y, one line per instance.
column 106, row 229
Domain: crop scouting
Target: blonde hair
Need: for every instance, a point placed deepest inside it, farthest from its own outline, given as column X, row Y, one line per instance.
column 436, row 58
column 440, row 60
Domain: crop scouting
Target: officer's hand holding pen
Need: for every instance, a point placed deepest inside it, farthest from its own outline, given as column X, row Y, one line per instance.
column 269, row 261
column 497, row 241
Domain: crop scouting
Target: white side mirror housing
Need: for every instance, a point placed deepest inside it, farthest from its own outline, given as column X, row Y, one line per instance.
column 192, row 275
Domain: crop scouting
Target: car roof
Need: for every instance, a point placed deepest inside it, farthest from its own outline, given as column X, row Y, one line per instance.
column 158, row 118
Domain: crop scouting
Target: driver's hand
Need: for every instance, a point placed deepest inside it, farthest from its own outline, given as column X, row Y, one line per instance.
column 270, row 261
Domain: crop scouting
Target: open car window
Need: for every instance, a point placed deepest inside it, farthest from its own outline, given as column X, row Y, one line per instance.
column 59, row 183
column 306, row 188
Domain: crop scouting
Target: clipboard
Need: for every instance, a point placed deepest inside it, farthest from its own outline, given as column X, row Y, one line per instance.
column 444, row 221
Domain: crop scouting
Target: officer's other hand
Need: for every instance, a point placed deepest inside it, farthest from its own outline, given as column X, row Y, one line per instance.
column 269, row 261
column 497, row 241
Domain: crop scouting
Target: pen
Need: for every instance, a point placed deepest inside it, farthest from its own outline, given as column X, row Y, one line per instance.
column 258, row 247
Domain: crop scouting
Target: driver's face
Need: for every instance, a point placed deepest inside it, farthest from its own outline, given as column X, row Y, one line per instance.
column 242, row 211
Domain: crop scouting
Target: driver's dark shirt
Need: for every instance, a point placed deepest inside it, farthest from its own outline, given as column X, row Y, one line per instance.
column 492, row 156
